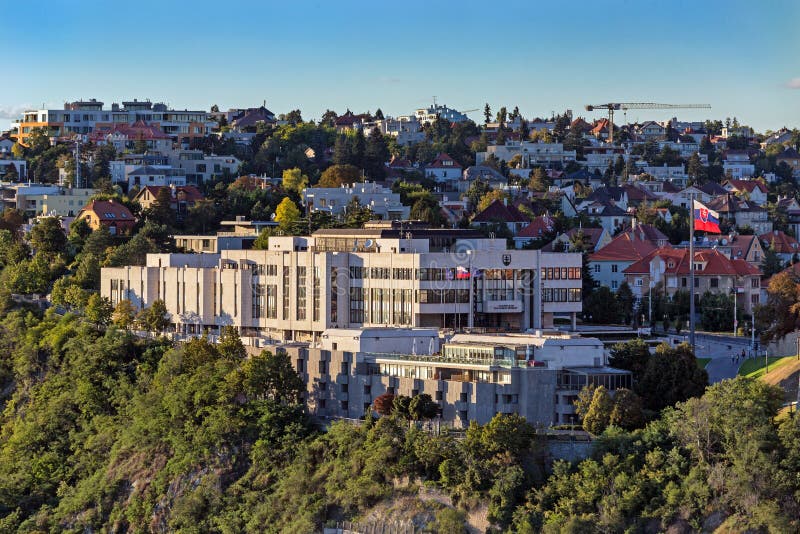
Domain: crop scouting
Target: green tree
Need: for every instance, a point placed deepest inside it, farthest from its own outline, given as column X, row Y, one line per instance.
column 230, row 345
column 631, row 355
column 161, row 211
column 286, row 214
column 155, row 318
column 271, row 376
column 780, row 315
column 487, row 113
column 98, row 310
column 625, row 300
column 47, row 236
column 598, row 416
column 600, row 306
column 449, row 521
column 672, row 375
column 262, row 241
column 423, row 407
column 772, row 263
column 627, row 412
column 124, row 314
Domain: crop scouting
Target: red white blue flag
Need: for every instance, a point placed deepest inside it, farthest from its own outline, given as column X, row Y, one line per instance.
column 705, row 219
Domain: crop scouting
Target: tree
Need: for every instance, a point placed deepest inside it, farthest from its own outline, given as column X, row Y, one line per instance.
column 161, row 210
column 695, row 169
column 599, row 414
column 539, row 180
column 294, row 180
column 427, row 209
column 626, row 301
column 487, row 113
column 672, row 375
column 781, row 313
column 47, row 236
column 271, row 376
column 423, row 407
column 376, row 154
column 383, row 404
column 262, row 241
column 98, row 310
column 379, row 115
column 155, row 318
column 632, row 356
column 17, row 150
column 337, row 175
column 600, row 306
column 202, row 216
column 772, row 263
column 124, row 314
column 286, row 214
column 230, row 345
column 627, row 412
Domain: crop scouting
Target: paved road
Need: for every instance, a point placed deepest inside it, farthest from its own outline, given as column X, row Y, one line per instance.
column 720, row 349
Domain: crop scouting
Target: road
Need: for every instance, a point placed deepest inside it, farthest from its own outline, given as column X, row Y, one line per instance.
column 720, row 349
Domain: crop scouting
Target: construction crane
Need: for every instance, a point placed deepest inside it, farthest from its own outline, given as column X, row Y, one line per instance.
column 625, row 106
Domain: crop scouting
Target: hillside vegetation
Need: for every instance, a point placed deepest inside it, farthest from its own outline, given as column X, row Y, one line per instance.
column 103, row 431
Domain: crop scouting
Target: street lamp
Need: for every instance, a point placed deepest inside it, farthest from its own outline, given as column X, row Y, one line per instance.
column 735, row 290
column 650, row 302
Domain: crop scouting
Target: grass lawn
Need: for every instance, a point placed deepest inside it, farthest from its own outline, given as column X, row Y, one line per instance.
column 702, row 362
column 754, row 367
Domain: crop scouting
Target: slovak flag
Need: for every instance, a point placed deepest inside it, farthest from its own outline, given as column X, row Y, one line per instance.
column 462, row 273
column 705, row 219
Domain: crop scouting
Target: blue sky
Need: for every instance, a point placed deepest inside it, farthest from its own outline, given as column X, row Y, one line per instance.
column 740, row 57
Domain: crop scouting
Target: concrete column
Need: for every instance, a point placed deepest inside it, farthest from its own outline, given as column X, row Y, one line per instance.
column 574, row 317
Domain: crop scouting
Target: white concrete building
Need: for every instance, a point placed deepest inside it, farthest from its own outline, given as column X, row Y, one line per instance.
column 471, row 377
column 737, row 165
column 533, row 154
column 333, row 200
column 302, row 286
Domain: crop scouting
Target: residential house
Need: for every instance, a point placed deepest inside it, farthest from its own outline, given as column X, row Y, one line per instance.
column 617, row 196
column 790, row 157
column 668, row 269
column 753, row 190
column 737, row 165
column 651, row 130
column 431, row 113
column 199, row 167
column 443, row 169
column 784, row 245
column 741, row 213
column 611, row 216
column 109, row 213
column 734, row 246
column 791, row 208
column 638, row 195
column 157, row 176
column 485, row 174
column 125, row 137
column 598, row 158
column 782, row 136
column 503, row 212
column 182, row 198
column 591, row 240
column 608, row 263
column 248, row 120
column 532, row 154
column 538, row 230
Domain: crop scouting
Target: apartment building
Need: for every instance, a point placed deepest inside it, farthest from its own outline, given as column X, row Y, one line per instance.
column 82, row 117
column 532, row 154
column 334, row 200
column 385, row 275
column 714, row 272
column 471, row 376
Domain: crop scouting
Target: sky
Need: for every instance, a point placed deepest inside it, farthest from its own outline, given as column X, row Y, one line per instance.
column 741, row 57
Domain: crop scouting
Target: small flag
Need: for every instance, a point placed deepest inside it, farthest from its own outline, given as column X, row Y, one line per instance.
column 705, row 219
column 462, row 273
column 448, row 274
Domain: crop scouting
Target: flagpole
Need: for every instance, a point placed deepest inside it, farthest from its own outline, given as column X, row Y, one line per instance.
column 691, row 270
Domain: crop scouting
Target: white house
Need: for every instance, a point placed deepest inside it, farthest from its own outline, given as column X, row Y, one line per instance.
column 443, row 169
column 383, row 203
column 737, row 165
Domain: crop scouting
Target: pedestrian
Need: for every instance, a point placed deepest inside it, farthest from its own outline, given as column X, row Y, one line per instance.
column 744, row 355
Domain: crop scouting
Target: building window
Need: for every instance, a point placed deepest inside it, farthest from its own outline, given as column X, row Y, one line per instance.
column 714, row 282
column 597, row 267
column 356, row 304
column 614, row 284
column 639, row 282
column 696, row 282
column 286, row 284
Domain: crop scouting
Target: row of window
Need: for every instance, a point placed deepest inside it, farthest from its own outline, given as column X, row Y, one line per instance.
column 561, row 294
column 562, row 273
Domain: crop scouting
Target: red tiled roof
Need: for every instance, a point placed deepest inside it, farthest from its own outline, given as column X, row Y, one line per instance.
column 139, row 130
column 109, row 211
column 677, row 262
column 440, row 160
column 747, row 185
column 540, row 227
column 784, row 244
column 499, row 211
column 631, row 245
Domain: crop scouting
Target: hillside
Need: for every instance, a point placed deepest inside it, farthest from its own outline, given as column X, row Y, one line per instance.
column 103, row 431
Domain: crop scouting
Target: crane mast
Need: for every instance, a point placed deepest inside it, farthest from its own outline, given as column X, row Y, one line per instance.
column 611, row 107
